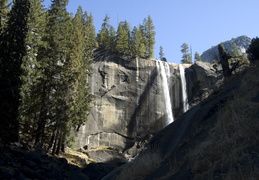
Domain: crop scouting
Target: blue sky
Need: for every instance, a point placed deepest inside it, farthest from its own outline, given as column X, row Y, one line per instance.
column 199, row 23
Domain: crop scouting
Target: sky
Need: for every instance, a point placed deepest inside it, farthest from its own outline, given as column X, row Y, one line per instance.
column 199, row 23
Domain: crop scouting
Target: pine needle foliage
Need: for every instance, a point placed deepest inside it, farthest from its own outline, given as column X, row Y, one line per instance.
column 13, row 49
column 55, row 93
column 139, row 42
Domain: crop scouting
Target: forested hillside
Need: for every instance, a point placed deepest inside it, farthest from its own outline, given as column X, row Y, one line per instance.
column 45, row 62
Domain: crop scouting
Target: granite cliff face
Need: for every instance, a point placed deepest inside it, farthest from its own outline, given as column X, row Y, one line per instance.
column 202, row 79
column 217, row 139
column 242, row 42
column 129, row 99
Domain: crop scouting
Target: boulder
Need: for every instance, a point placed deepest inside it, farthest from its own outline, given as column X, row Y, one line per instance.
column 202, row 80
column 104, row 155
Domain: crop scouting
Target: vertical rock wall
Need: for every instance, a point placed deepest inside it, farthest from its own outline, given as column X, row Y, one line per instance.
column 128, row 102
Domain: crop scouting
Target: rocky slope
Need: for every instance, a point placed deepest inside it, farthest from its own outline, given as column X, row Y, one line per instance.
column 242, row 43
column 217, row 139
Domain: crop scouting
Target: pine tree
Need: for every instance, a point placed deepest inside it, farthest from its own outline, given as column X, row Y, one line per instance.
column 56, row 79
column 103, row 37
column 90, row 43
column 30, row 72
column 12, row 52
column 149, row 35
column 123, row 38
column 89, row 34
column 161, row 53
column 197, row 57
column 112, row 39
column 186, row 58
column 59, row 39
column 134, row 41
column 80, row 103
column 138, row 47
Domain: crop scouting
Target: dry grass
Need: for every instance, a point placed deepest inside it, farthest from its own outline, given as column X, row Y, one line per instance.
column 225, row 152
column 76, row 158
column 80, row 158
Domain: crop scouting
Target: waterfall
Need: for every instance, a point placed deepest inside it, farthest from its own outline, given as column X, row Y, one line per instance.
column 137, row 72
column 168, row 107
column 184, row 89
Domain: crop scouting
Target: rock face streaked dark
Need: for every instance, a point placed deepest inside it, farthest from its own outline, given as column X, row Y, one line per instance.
column 202, row 79
column 171, row 144
column 129, row 104
column 242, row 43
column 168, row 155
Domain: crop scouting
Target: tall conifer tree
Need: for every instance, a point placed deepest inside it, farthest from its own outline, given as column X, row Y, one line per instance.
column 56, row 77
column 134, row 41
column 161, row 52
column 112, row 39
column 149, row 37
column 59, row 39
column 103, row 37
column 12, row 52
column 31, row 69
column 123, row 38
column 80, row 57
column 138, row 47
column 186, row 58
column 90, row 42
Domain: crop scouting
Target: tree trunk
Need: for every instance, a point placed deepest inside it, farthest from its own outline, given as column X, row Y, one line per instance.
column 55, row 143
column 59, row 144
column 51, row 140
column 224, row 57
column 42, row 119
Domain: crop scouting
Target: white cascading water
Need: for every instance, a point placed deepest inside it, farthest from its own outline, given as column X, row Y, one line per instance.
column 168, row 106
column 137, row 72
column 184, row 89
